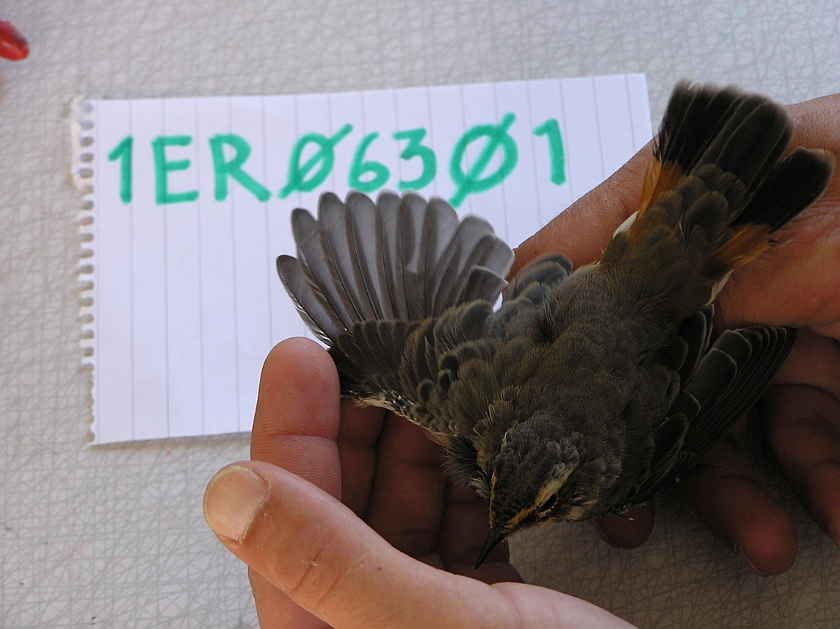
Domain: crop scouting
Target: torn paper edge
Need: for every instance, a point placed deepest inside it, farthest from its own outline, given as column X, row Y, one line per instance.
column 82, row 171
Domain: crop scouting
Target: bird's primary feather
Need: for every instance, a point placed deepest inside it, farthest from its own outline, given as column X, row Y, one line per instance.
column 587, row 390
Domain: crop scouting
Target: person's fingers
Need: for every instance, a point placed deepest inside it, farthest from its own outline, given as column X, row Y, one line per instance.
column 316, row 551
column 275, row 610
column 295, row 427
column 296, row 422
column 629, row 531
column 407, row 496
column 802, row 426
column 727, row 496
column 358, row 436
column 582, row 232
column 817, row 122
column 329, row 562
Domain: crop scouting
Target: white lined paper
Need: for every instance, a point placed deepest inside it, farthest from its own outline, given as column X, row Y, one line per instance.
column 185, row 299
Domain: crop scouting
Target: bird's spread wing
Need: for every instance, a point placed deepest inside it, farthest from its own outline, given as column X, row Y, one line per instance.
column 394, row 288
column 730, row 379
column 727, row 381
column 398, row 259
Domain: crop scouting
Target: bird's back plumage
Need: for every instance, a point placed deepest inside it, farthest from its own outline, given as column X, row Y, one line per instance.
column 609, row 371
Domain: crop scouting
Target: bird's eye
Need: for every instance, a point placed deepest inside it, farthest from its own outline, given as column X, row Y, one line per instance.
column 549, row 504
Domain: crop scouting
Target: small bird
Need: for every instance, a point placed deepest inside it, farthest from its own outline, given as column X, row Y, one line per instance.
column 585, row 391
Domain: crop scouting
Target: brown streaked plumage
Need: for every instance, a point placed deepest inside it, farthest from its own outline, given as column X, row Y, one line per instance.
column 586, row 391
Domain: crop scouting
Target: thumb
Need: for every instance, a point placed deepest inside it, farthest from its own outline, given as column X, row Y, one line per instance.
column 329, row 562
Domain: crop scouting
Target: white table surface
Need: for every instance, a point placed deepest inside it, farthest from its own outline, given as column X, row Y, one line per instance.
column 114, row 537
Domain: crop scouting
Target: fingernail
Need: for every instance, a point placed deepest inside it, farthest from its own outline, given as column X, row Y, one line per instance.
column 233, row 497
column 761, row 573
column 739, row 550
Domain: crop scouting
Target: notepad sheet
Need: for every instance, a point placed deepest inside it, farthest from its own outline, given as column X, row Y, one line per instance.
column 188, row 203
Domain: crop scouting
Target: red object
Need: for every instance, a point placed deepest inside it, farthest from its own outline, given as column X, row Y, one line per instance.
column 12, row 44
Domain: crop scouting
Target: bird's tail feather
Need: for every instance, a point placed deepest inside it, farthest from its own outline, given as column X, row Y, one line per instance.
column 733, row 143
column 719, row 185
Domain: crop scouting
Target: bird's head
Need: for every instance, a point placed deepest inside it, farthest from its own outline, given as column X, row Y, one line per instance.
column 538, row 476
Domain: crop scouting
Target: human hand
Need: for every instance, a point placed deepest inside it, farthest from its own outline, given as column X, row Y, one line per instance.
column 397, row 553
column 796, row 283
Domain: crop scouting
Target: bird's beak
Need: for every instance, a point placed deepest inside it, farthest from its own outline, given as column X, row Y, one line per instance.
column 494, row 538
